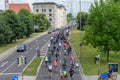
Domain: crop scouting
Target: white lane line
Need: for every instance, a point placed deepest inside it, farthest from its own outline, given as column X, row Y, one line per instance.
column 3, row 64
column 8, row 67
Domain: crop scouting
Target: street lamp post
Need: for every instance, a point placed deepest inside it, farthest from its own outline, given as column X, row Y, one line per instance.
column 70, row 11
column 80, row 31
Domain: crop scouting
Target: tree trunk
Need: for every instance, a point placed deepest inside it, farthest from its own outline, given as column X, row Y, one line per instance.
column 107, row 55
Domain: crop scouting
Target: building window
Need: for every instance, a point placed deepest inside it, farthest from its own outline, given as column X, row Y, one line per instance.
column 44, row 10
column 50, row 14
column 37, row 10
column 50, row 19
column 50, row 10
column 36, row 6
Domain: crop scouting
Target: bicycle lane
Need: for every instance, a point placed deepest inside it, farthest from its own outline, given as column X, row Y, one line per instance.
column 43, row 72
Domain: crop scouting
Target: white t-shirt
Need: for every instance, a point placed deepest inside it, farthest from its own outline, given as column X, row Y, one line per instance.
column 76, row 64
column 59, row 44
column 50, row 67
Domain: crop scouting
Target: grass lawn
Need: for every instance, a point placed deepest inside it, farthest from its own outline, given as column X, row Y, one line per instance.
column 88, row 54
column 7, row 46
column 32, row 68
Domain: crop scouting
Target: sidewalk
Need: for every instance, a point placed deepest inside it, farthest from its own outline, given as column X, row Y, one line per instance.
column 12, row 50
column 95, row 77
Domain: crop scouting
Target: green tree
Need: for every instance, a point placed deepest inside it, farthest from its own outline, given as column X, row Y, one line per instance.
column 5, row 31
column 26, row 22
column 103, row 32
column 41, row 21
column 69, row 17
column 83, row 17
column 11, row 20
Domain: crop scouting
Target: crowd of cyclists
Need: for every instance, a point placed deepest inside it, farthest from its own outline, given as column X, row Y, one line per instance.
column 60, row 53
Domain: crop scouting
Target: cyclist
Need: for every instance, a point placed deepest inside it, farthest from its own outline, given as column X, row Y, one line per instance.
column 72, row 58
column 49, row 46
column 64, row 65
column 71, row 72
column 52, row 52
column 55, row 64
column 65, row 74
column 46, row 60
column 50, row 70
column 65, row 51
column 59, row 44
column 65, row 45
column 49, row 58
column 56, row 55
column 77, row 66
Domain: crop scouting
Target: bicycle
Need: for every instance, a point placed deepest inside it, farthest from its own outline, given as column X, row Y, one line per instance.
column 114, row 76
column 50, row 74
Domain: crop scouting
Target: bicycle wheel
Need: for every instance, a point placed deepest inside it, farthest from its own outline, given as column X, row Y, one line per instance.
column 114, row 77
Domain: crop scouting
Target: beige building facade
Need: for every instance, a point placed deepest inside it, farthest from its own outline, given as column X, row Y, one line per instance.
column 55, row 13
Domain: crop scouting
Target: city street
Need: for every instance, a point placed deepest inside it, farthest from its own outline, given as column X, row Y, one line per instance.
column 9, row 66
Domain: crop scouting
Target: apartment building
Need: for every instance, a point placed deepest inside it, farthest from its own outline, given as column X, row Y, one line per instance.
column 55, row 13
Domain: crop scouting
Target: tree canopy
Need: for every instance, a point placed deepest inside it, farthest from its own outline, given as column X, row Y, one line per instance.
column 18, row 25
column 103, row 32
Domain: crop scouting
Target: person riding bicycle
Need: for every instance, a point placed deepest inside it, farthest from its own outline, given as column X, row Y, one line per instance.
column 46, row 60
column 50, row 70
column 64, row 65
column 76, row 66
column 65, row 51
column 55, row 64
column 49, row 58
column 65, row 74
column 71, row 72
column 59, row 44
column 56, row 55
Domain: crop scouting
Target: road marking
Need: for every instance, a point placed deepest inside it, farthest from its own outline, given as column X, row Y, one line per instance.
column 3, row 64
column 8, row 67
column 1, row 74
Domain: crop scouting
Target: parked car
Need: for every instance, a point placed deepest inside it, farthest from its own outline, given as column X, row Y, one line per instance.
column 21, row 48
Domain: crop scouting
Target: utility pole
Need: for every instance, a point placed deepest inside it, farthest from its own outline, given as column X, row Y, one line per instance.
column 6, row 4
column 80, row 31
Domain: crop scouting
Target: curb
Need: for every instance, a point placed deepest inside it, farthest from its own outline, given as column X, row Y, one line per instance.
column 41, row 60
column 80, row 69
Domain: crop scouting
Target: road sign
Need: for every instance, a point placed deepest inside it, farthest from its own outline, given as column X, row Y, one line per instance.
column 15, row 77
column 104, row 76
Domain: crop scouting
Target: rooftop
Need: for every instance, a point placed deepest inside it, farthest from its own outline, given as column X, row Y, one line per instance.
column 58, row 5
column 18, row 6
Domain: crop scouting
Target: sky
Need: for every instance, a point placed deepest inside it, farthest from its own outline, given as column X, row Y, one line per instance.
column 85, row 4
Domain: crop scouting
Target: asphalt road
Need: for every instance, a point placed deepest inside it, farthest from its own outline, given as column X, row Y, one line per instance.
column 9, row 66
column 43, row 72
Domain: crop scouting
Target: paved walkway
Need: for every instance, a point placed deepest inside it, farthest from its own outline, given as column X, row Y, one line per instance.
column 95, row 77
